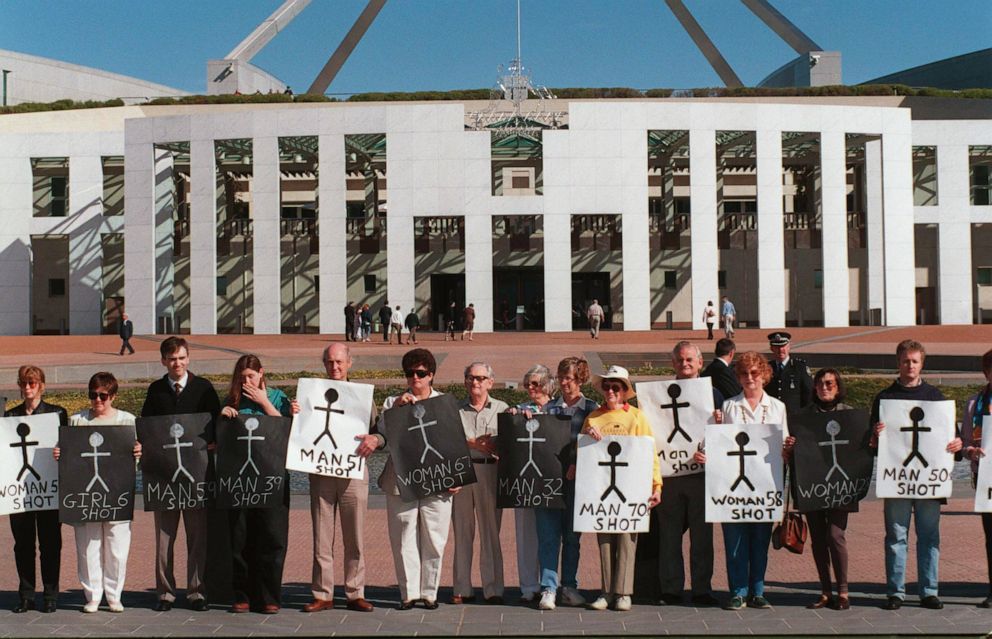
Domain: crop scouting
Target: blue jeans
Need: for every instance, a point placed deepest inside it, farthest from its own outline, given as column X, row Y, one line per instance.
column 554, row 536
column 747, row 557
column 897, row 515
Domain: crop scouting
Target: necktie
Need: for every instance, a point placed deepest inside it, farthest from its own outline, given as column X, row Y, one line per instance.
column 178, row 388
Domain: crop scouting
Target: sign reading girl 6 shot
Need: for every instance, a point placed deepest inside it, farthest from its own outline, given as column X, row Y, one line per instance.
column 29, row 475
column 913, row 461
column 322, row 440
column 744, row 479
column 613, row 484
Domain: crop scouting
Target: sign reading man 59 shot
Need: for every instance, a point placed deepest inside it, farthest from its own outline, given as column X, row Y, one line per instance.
column 29, row 475
column 913, row 461
column 174, row 461
column 678, row 411
column 744, row 479
column 96, row 474
column 983, row 486
column 614, row 484
column 332, row 415
column 251, row 461
column 531, row 455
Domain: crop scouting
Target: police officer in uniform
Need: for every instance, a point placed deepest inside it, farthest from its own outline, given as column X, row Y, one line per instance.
column 791, row 381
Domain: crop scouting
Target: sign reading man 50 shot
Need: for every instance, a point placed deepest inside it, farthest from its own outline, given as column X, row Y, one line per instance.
column 983, row 486
column 612, row 494
column 531, row 454
column 744, row 479
column 174, row 461
column 96, row 474
column 29, row 476
column 678, row 411
column 913, row 461
column 251, row 461
column 833, row 463
column 332, row 415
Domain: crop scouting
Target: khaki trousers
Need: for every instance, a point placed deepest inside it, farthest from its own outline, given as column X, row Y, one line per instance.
column 476, row 503
column 528, row 566
column 418, row 532
column 166, row 526
column 350, row 497
column 616, row 560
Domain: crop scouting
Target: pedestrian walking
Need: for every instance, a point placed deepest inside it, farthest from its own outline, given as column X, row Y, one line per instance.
column 126, row 331
column 709, row 318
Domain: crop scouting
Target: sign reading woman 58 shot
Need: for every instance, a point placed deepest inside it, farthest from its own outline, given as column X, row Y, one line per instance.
column 29, row 475
column 744, row 479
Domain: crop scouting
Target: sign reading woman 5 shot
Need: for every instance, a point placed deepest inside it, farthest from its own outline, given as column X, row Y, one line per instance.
column 678, row 412
column 322, row 440
column 614, row 484
column 744, row 479
column 913, row 461
column 983, row 486
column 29, row 475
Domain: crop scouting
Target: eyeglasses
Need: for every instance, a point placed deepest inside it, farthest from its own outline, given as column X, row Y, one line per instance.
column 614, row 388
column 534, row 384
column 101, row 396
column 476, row 378
column 419, row 373
column 566, row 378
column 752, row 373
column 29, row 382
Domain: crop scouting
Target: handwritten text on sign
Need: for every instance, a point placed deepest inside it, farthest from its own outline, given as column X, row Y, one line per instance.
column 532, row 453
column 96, row 474
column 833, row 463
column 678, row 411
column 913, row 461
column 174, row 461
column 613, row 484
column 29, row 475
column 322, row 440
column 744, row 479
column 251, row 461
column 983, row 486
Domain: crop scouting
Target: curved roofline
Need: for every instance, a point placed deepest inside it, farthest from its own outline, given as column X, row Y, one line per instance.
column 162, row 88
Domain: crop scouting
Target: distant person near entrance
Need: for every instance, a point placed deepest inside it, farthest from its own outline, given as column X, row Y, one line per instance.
column 396, row 323
column 385, row 317
column 709, row 318
column 595, row 315
column 468, row 322
column 126, row 330
column 728, row 315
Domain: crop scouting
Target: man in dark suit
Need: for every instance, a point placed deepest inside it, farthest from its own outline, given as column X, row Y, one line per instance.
column 791, row 381
column 180, row 392
column 349, row 322
column 721, row 369
column 126, row 330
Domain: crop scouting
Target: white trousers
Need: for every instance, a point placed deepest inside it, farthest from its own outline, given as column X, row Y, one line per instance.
column 418, row 532
column 101, row 558
column 528, row 568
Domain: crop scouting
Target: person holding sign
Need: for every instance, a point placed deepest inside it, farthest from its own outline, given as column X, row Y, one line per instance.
column 617, row 550
column 258, row 535
column 977, row 408
column 45, row 523
column 102, row 547
column 910, row 386
column 418, row 530
column 746, row 544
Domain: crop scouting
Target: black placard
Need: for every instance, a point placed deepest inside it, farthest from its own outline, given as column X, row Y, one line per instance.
column 427, row 445
column 833, row 465
column 174, row 461
column 251, row 461
column 96, row 474
column 531, row 454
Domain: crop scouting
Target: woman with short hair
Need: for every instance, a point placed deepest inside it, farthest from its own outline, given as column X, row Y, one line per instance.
column 976, row 409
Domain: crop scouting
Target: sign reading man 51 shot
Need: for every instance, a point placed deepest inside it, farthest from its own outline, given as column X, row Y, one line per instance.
column 612, row 494
column 96, row 474
column 531, row 455
column 983, row 486
column 913, row 461
column 322, row 440
column 251, row 461
column 833, row 463
column 174, row 461
column 678, row 412
column 744, row 479
column 29, row 475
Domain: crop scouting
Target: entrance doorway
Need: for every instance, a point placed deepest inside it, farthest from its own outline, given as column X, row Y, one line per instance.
column 518, row 291
column 445, row 289
column 50, row 284
column 587, row 287
column 926, row 305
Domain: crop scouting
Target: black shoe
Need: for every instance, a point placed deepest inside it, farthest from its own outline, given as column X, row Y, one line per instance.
column 24, row 606
column 198, row 605
column 669, row 599
column 893, row 603
column 163, row 606
column 932, row 602
column 986, row 603
column 49, row 606
column 705, row 599
column 405, row 605
column 430, row 604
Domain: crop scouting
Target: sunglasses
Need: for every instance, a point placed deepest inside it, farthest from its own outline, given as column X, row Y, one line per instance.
column 614, row 388
column 476, row 378
column 826, row 383
column 101, row 396
column 419, row 373
column 533, row 384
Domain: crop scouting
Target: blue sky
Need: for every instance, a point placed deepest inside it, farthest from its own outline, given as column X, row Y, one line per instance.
column 453, row 44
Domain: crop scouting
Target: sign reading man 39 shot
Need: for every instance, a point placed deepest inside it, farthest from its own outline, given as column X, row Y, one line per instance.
column 251, row 461
column 29, row 476
column 678, row 411
column 531, row 453
column 913, row 461
column 612, row 493
column 983, row 487
column 744, row 479
column 174, row 461
column 96, row 474
column 322, row 439
column 427, row 445
column 833, row 463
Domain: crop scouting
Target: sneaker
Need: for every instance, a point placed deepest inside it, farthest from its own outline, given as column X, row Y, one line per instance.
column 735, row 603
column 547, row 600
column 572, row 597
column 758, row 602
column 601, row 603
column 932, row 602
column 91, row 606
column 115, row 606
column 622, row 603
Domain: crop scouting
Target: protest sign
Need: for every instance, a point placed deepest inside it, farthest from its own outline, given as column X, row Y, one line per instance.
column 744, row 479
column 531, row 454
column 833, row 464
column 96, row 474
column 983, row 485
column 616, row 474
column 174, row 461
column 29, row 475
column 678, row 411
column 251, row 461
column 913, row 461
column 322, row 440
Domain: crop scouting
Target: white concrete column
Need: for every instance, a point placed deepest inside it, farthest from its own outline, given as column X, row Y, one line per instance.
column 203, row 237
column 954, row 272
column 636, row 268
column 900, row 248
column 479, row 268
column 557, row 271
column 85, row 247
column 400, row 266
column 836, row 275
column 771, row 232
column 139, row 226
column 165, row 205
column 16, row 193
column 331, row 214
column 702, row 195
column 267, row 305
column 873, row 227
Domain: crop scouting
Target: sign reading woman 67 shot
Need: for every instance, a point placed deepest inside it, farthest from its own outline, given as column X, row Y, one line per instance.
column 251, row 461
column 29, row 476
column 678, row 411
column 96, row 474
column 744, row 479
column 322, row 440
column 913, row 461
column 613, row 484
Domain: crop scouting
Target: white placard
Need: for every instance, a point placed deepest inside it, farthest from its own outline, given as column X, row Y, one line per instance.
column 322, row 438
column 614, row 484
column 744, row 479
column 29, row 475
column 913, row 461
column 678, row 411
column 983, row 486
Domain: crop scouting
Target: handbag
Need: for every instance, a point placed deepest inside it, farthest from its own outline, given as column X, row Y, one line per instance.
column 790, row 533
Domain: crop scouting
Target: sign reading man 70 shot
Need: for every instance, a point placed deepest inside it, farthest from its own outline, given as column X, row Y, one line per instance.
column 913, row 461
column 322, row 438
column 614, row 484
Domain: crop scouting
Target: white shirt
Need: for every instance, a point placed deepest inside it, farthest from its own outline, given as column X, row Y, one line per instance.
column 182, row 381
column 397, row 317
column 769, row 410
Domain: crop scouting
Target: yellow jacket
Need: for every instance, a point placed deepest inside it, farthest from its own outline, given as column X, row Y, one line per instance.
column 626, row 420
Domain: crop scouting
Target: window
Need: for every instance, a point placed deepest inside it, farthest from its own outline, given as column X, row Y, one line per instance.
column 985, row 276
column 356, row 210
column 924, row 176
column 222, row 285
column 818, row 279
column 670, row 279
column 59, row 195
column 56, row 287
column 721, row 279
column 370, row 284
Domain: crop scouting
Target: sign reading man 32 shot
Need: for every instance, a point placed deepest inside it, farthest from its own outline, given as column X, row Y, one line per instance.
column 913, row 461
column 251, row 461
column 983, row 486
column 678, row 411
column 29, row 476
column 174, row 461
column 833, row 463
column 612, row 493
column 744, row 479
column 322, row 439
column 427, row 445
column 96, row 474
column 531, row 454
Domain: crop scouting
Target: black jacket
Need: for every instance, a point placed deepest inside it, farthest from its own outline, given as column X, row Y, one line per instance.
column 198, row 396
column 724, row 379
column 43, row 407
column 792, row 384
column 126, row 329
